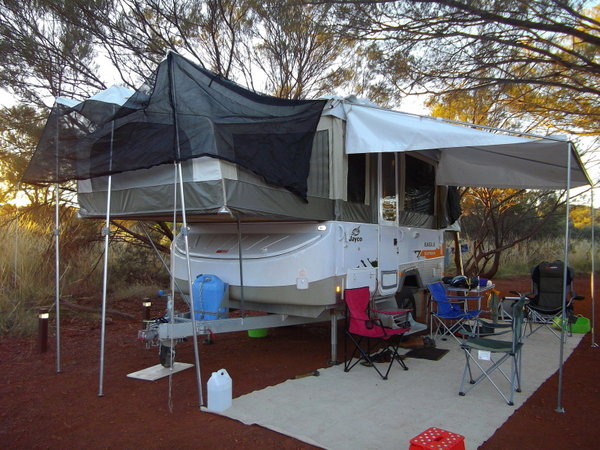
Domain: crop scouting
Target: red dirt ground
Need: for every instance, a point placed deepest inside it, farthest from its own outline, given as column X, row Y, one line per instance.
column 43, row 409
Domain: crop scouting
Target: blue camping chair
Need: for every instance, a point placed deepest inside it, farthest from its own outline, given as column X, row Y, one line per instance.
column 451, row 312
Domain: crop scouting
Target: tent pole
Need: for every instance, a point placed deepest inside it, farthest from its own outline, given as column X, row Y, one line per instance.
column 171, row 299
column 243, row 303
column 184, row 227
column 594, row 344
column 16, row 252
column 172, row 261
column 106, row 234
column 57, row 272
column 185, row 231
column 559, row 407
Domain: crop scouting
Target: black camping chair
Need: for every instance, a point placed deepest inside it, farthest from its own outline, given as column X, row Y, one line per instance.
column 544, row 308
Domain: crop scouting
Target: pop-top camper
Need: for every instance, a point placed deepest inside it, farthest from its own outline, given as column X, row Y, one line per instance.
column 368, row 219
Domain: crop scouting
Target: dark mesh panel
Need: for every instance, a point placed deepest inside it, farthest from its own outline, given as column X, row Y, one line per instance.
column 185, row 113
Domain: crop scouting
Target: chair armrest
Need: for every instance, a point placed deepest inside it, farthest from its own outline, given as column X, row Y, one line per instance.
column 577, row 297
column 495, row 324
column 465, row 333
column 399, row 311
column 371, row 323
column 472, row 297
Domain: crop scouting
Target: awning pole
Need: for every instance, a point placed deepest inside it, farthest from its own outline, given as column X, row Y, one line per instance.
column 559, row 407
column 594, row 344
column 57, row 272
column 185, row 231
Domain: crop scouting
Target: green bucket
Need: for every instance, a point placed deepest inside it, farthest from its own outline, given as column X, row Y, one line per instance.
column 258, row 333
column 581, row 325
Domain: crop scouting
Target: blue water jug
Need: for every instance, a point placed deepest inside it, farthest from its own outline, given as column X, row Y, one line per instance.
column 208, row 292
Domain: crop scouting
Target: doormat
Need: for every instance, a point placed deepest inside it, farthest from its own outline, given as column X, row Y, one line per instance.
column 433, row 354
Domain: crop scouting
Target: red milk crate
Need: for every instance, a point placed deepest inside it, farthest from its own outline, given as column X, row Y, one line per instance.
column 436, row 438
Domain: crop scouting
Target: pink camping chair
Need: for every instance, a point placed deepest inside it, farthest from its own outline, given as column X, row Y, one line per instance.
column 364, row 327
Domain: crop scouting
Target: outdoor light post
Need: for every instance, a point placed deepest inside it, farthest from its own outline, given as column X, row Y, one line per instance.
column 43, row 316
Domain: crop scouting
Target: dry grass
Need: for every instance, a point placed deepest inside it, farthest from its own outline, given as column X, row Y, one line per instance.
column 519, row 260
column 27, row 271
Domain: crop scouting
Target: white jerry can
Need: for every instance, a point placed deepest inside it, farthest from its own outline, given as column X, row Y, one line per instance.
column 219, row 391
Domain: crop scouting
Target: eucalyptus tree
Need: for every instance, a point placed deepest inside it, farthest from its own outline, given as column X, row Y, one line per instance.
column 547, row 51
column 74, row 49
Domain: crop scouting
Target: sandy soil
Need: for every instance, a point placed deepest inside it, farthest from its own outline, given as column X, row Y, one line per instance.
column 42, row 409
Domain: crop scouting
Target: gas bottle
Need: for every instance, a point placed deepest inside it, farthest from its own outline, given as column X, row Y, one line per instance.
column 219, row 391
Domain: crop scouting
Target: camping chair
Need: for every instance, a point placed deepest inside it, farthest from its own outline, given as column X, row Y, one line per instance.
column 489, row 348
column 452, row 309
column 363, row 328
column 545, row 304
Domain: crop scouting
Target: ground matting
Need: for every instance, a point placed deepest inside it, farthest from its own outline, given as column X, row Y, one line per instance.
column 359, row 410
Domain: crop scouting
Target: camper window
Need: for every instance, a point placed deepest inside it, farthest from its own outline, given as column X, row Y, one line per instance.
column 388, row 187
column 357, row 168
column 419, row 188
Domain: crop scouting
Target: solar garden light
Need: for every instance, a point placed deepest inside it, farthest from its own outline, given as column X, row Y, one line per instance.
column 146, row 304
column 43, row 316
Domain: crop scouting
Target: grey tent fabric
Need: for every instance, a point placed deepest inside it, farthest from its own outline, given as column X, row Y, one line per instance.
column 184, row 112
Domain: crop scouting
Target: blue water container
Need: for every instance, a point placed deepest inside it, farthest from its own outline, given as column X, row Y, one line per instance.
column 208, row 292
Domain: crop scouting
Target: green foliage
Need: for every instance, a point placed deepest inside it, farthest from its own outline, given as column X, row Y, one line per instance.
column 581, row 216
column 297, row 49
column 539, row 58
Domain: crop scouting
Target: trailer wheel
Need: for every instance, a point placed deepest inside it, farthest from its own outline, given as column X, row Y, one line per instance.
column 166, row 356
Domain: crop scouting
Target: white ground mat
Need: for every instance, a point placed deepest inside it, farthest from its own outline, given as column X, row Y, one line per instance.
column 359, row 410
column 158, row 371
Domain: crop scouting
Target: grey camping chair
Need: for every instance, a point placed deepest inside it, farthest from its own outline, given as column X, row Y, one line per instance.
column 498, row 352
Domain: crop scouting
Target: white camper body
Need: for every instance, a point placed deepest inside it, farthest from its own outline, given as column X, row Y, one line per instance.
column 297, row 268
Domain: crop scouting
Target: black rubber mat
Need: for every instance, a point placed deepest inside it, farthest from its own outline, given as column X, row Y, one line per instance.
column 433, row 354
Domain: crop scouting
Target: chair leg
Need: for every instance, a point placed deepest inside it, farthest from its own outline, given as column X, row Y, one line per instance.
column 397, row 358
column 363, row 355
column 519, row 365
column 461, row 391
column 486, row 374
column 446, row 330
column 542, row 321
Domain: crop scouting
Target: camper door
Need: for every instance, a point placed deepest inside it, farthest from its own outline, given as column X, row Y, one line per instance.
column 388, row 224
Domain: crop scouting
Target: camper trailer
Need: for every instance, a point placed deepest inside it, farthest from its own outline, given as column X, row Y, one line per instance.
column 370, row 219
